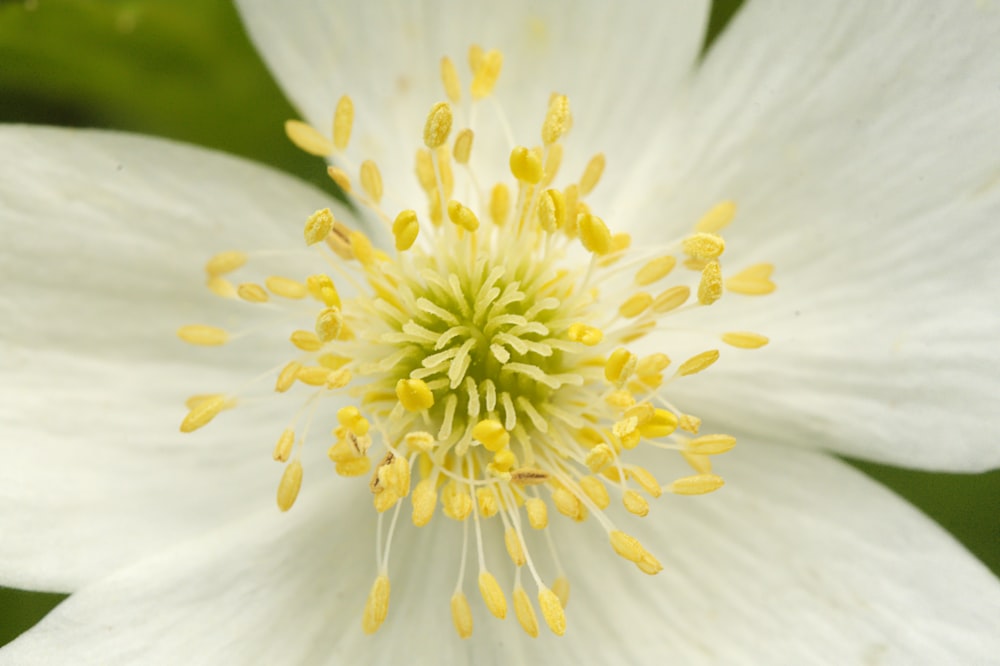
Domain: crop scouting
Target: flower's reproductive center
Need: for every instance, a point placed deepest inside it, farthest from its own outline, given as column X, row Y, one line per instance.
column 486, row 363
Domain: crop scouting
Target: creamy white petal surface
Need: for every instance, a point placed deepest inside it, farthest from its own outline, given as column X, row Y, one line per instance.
column 105, row 237
column 859, row 141
column 798, row 557
column 621, row 67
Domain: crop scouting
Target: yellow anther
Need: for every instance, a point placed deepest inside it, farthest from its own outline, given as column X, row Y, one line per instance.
column 620, row 399
column 587, row 335
column 698, row 362
column 424, row 500
column 594, row 234
column 635, row 503
column 221, row 287
column 400, row 475
column 711, row 445
column 449, row 78
column 599, row 457
column 710, row 288
column 343, row 121
column 339, row 241
column 435, row 208
column 205, row 336
column 307, row 341
column 525, row 165
column 318, row 226
column 461, row 614
column 456, row 501
column 552, row 611
column 635, row 305
column 495, row 600
column 538, row 513
column 652, row 364
column 630, row 439
column 689, row 423
column 525, row 612
column 291, row 482
column 252, row 293
column 419, row 441
column 499, row 204
column 696, row 485
column 484, row 77
column 283, row 448
column 350, row 417
column 553, row 160
column 203, row 412
column 287, row 376
column 371, row 182
column 620, row 365
column 424, row 168
column 515, row 548
column 568, row 504
column 704, row 245
column 753, row 281
column 595, row 491
column 655, row 270
column 717, row 218
column 285, row 287
column 528, row 476
column 671, row 299
column 492, row 434
column 463, row 146
column 313, row 375
column 486, row 498
column 476, row 57
column 308, row 139
column 338, row 378
column 589, row 437
column 551, row 210
column 444, row 171
column 377, row 606
column 630, row 548
column 462, row 216
column 362, row 248
column 619, row 243
column 354, row 467
column 646, row 480
column 225, row 262
column 340, row 177
column 744, row 339
column 643, row 413
column 557, row 119
column 405, row 229
column 662, row 423
column 561, row 588
column 322, row 289
column 329, row 323
column 437, row 127
column 592, row 174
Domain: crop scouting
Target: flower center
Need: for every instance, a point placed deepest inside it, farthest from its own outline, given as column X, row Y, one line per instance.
column 490, row 361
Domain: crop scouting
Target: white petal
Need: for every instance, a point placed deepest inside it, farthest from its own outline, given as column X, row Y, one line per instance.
column 798, row 560
column 105, row 239
column 859, row 143
column 619, row 66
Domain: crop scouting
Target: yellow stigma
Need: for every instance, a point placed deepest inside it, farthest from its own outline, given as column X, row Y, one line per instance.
column 476, row 348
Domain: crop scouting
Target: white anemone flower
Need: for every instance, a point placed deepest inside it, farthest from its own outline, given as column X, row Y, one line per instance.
column 511, row 358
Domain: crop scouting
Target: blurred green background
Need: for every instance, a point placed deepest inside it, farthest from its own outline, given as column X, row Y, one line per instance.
column 184, row 69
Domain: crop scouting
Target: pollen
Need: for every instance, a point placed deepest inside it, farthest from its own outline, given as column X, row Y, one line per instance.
column 499, row 349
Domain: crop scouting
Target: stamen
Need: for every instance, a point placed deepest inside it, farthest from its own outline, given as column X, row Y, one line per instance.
column 377, row 606
column 225, row 262
column 461, row 614
column 291, row 482
column 207, row 336
column 449, row 77
column 343, row 121
column 318, row 226
column 592, row 174
column 696, row 485
column 492, row 595
column 718, row 218
column 552, row 611
column 438, row 125
column 744, row 339
column 306, row 138
column 525, row 612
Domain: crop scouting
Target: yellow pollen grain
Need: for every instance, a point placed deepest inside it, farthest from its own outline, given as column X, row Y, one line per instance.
column 463, row 146
column 551, row 210
column 340, row 177
column 252, row 293
column 414, row 395
column 568, row 504
column 484, row 77
column 405, row 229
column 620, row 365
column 671, row 299
column 329, row 323
column 343, row 121
column 592, row 174
column 552, row 611
column 514, row 547
column 752, row 281
column 717, row 218
column 203, row 412
column 704, row 246
column 595, row 491
column 377, row 606
column 205, row 336
column 492, row 434
column 698, row 484
column 283, row 448
column 287, row 376
column 635, row 503
column 698, row 362
column 318, row 226
column 646, row 480
column 461, row 614
column 599, row 457
column 710, row 287
column 711, row 445
column 557, row 119
column 291, row 482
column 462, row 216
column 308, row 139
column 525, row 612
column 225, row 262
column 286, row 287
column 449, row 79
column 661, row 424
column 561, row 588
column 371, row 181
column 495, row 600
column 635, row 305
column 744, row 339
column 525, row 165
column 594, row 234
column 437, row 127
column 655, row 270
column 424, row 500
column 499, row 204
column 584, row 334
column 538, row 513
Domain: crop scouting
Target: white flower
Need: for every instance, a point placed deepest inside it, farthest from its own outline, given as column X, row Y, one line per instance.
column 859, row 144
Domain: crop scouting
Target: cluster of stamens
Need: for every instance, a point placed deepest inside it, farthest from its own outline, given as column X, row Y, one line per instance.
column 489, row 361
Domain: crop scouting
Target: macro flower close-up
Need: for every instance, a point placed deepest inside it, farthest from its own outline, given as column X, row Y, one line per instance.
column 564, row 375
